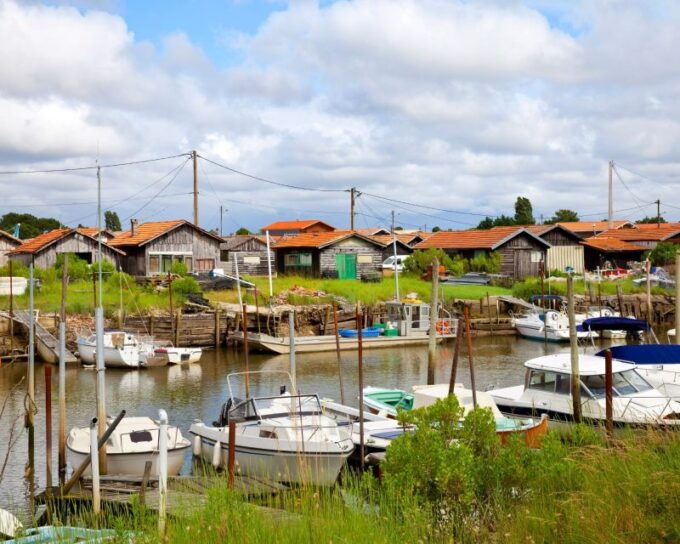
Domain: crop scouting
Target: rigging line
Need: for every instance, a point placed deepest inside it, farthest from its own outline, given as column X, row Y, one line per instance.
column 636, row 198
column 414, row 212
column 75, row 169
column 280, row 184
column 161, row 190
column 429, row 207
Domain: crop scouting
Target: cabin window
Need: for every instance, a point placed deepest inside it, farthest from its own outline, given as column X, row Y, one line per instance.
column 224, row 255
column 629, row 382
column 188, row 261
column 267, row 434
column 542, row 380
column 298, row 259
column 536, row 256
column 153, row 264
column 204, row 265
column 140, row 436
column 595, row 384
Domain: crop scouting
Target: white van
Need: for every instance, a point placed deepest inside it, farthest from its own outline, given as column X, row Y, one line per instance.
column 388, row 264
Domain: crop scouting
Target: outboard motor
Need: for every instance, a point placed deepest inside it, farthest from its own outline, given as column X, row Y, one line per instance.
column 223, row 419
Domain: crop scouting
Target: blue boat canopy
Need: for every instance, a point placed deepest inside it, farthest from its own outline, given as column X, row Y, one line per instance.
column 614, row 323
column 646, row 354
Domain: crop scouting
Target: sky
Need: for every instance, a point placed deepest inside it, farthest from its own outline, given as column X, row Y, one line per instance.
column 442, row 111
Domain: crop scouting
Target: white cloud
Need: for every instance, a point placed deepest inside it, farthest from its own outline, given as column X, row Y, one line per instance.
column 452, row 104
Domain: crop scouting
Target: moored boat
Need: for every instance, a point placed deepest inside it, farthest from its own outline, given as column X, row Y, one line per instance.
column 121, row 349
column 177, row 356
column 550, row 325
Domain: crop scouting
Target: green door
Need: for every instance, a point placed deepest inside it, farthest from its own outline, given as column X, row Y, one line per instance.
column 346, row 264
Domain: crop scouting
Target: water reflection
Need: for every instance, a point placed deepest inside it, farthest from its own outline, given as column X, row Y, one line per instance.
column 198, row 390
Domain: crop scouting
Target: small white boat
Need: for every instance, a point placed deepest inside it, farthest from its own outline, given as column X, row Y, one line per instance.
column 547, row 390
column 133, row 442
column 176, row 356
column 551, row 325
column 285, row 438
column 121, row 349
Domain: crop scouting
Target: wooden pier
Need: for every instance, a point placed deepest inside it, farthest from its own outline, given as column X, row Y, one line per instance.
column 46, row 344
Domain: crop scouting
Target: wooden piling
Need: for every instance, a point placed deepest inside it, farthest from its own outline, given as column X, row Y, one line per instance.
column 608, row 381
column 456, row 353
column 217, row 328
column 677, row 297
column 178, row 326
column 30, row 414
column 48, row 426
column 172, row 313
column 619, row 297
column 545, row 328
column 361, row 387
column 488, row 312
column 648, row 299
column 245, row 349
column 62, row 372
column 11, row 310
column 434, row 313
column 231, row 457
column 573, row 339
column 337, row 351
column 468, row 335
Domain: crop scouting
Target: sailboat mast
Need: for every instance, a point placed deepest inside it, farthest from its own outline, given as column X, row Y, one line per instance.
column 99, row 330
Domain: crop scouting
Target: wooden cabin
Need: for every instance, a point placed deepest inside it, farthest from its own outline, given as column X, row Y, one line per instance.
column 293, row 228
column 605, row 252
column 250, row 250
column 521, row 251
column 337, row 254
column 565, row 251
column 8, row 243
column 151, row 248
column 403, row 246
column 43, row 250
column 586, row 229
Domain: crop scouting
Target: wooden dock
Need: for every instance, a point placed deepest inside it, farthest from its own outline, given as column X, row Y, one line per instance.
column 46, row 344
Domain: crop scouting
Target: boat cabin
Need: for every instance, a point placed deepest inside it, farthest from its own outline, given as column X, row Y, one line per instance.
column 408, row 317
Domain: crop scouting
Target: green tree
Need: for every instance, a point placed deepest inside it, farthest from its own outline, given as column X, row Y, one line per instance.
column 112, row 221
column 562, row 216
column 243, row 230
column 524, row 214
column 436, row 228
column 500, row 221
column 31, row 225
column 663, row 253
column 651, row 220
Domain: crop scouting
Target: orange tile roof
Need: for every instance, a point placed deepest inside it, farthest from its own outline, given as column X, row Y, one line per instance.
column 320, row 239
column 385, row 239
column 592, row 226
column 36, row 244
column 650, row 226
column 605, row 243
column 145, row 233
column 644, row 234
column 293, row 225
column 470, row 239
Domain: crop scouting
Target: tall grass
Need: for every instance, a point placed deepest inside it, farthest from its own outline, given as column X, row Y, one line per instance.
column 355, row 291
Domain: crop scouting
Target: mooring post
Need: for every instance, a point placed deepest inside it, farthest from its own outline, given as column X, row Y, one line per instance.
column 608, row 381
column 100, row 385
column 648, row 269
column 11, row 311
column 488, row 312
column 62, row 372
column 48, row 426
column 30, row 415
column 337, row 351
column 217, row 328
column 94, row 461
column 257, row 311
column 434, row 314
column 172, row 312
column 245, row 349
column 619, row 297
column 361, row 387
column 541, row 268
column 677, row 297
column 162, row 470
column 468, row 335
column 291, row 349
column 456, row 353
column 231, row 453
column 573, row 340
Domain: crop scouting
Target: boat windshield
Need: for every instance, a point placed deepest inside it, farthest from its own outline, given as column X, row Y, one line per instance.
column 273, row 407
column 627, row 382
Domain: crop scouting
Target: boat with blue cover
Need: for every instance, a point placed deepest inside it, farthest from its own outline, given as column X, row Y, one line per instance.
column 368, row 332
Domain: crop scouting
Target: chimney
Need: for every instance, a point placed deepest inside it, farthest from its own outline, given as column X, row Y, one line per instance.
column 133, row 226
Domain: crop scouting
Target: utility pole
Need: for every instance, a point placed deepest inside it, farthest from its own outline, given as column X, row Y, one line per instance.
column 658, row 214
column 194, row 157
column 352, row 195
column 610, row 209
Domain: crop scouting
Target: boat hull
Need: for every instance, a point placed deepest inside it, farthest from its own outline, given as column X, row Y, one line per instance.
column 132, row 464
column 313, row 344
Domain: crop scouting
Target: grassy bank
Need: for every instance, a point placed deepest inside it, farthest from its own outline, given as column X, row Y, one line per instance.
column 531, row 286
column 352, row 290
column 469, row 489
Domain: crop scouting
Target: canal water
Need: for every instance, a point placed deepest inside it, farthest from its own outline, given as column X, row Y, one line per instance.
column 194, row 391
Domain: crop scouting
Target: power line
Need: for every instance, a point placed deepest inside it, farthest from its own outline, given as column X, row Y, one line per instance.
column 637, row 200
column 428, row 207
column 618, row 211
column 414, row 212
column 280, row 184
column 75, row 169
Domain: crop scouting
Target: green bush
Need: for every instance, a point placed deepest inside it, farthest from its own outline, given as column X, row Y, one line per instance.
column 186, row 286
column 419, row 260
column 489, row 263
column 663, row 254
column 19, row 269
column 179, row 268
column 78, row 269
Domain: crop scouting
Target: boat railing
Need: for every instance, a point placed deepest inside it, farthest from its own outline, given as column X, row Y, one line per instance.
column 631, row 400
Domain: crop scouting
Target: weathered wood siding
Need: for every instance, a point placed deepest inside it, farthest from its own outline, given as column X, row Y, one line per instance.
column 558, row 237
column 6, row 245
column 388, row 251
column 520, row 256
column 252, row 263
column 371, row 253
column 560, row 257
column 74, row 242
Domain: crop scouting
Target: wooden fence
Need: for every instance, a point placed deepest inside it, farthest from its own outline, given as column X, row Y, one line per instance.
column 204, row 329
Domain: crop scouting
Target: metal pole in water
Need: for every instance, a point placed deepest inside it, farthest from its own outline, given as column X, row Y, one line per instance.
column 94, row 465
column 30, row 416
column 291, row 349
column 360, row 319
column 608, row 380
column 269, row 269
column 396, row 267
column 11, row 310
column 99, row 330
column 62, row 373
column 573, row 340
column 434, row 314
column 648, row 269
column 677, row 297
column 545, row 328
column 48, row 426
column 245, row 349
column 337, row 351
column 468, row 335
column 162, row 470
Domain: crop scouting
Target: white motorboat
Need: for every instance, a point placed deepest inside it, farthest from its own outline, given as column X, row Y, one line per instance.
column 547, row 390
column 551, row 325
column 285, row 438
column 177, row 356
column 133, row 442
column 121, row 349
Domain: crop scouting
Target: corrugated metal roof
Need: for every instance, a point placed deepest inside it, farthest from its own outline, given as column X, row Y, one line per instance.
column 605, row 243
column 294, row 225
column 473, row 239
column 321, row 239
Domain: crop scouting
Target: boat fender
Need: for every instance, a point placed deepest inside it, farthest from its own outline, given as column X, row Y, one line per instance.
column 217, row 454
column 197, row 446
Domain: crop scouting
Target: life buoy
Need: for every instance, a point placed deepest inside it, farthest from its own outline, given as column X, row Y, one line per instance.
column 443, row 327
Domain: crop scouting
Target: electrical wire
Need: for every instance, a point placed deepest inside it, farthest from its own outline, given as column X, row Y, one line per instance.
column 619, row 211
column 428, row 207
column 75, row 169
column 636, row 198
column 280, row 184
column 430, row 215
